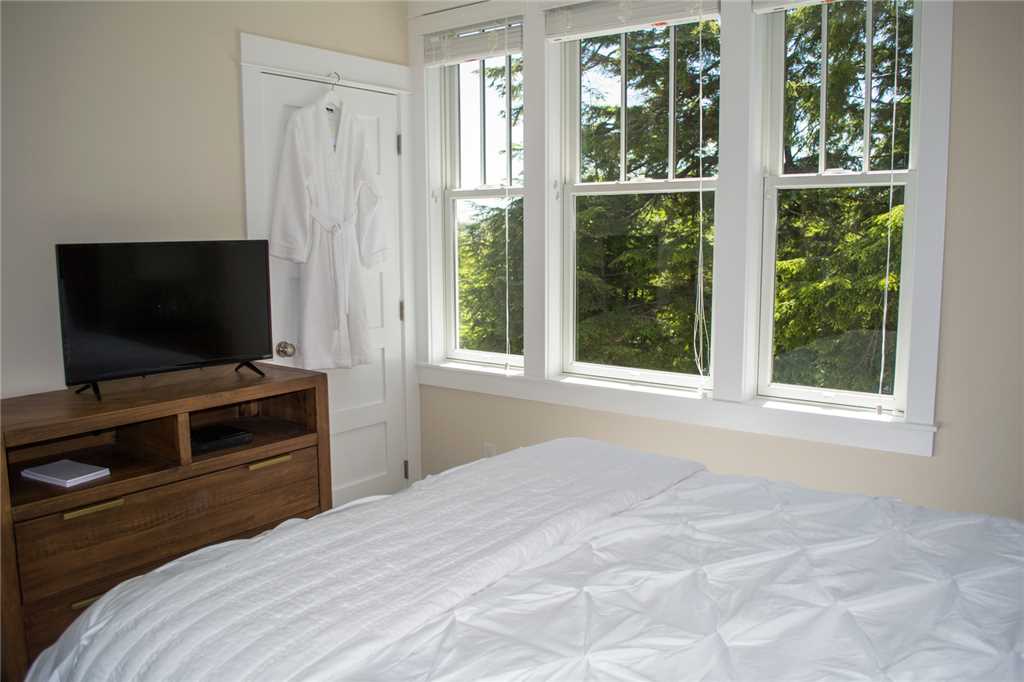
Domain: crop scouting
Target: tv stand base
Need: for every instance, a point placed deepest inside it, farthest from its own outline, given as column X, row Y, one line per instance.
column 95, row 389
column 249, row 365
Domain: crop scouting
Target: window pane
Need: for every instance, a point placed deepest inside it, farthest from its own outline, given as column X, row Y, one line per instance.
column 469, row 125
column 481, row 286
column 884, row 29
column 802, row 99
column 647, row 65
column 636, row 277
column 495, row 118
column 600, row 106
column 517, row 120
column 688, row 69
column 830, row 285
column 844, row 108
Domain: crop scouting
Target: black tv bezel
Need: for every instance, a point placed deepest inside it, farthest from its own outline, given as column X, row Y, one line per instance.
column 75, row 381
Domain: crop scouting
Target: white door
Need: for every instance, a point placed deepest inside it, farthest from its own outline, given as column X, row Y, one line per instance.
column 367, row 406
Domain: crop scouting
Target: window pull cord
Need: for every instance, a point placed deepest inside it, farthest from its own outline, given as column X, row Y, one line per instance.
column 508, row 181
column 892, row 191
column 699, row 317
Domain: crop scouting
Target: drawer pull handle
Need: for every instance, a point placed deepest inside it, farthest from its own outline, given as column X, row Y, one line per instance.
column 79, row 605
column 270, row 462
column 85, row 511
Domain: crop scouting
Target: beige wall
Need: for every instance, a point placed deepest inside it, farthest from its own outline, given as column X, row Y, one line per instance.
column 122, row 121
column 979, row 455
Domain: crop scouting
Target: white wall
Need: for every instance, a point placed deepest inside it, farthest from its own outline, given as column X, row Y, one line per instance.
column 979, row 453
column 122, row 122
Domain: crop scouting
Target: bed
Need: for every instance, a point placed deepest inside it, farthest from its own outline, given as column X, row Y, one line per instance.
column 577, row 560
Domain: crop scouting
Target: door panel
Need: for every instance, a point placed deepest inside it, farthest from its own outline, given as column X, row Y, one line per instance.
column 367, row 407
column 367, row 460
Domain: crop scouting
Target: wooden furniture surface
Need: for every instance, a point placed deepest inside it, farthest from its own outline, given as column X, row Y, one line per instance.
column 64, row 547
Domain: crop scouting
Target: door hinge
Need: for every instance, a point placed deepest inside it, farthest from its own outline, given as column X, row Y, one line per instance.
column 401, row 311
column 399, row 144
column 405, row 469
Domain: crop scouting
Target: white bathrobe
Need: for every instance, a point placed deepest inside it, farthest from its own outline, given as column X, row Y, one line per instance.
column 325, row 219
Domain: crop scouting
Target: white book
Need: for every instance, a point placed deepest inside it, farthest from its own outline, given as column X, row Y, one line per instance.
column 66, row 473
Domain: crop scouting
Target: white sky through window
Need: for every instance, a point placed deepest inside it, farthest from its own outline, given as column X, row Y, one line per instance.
column 469, row 124
column 494, row 121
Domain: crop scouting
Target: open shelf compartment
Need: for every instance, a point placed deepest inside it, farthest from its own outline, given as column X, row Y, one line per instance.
column 270, row 420
column 129, row 451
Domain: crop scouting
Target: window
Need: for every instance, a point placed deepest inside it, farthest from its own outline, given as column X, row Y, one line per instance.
column 484, row 205
column 787, row 161
column 840, row 176
column 640, row 199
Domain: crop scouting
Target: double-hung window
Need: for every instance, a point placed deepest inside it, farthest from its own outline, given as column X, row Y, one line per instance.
column 772, row 142
column 641, row 158
column 482, row 111
column 840, row 174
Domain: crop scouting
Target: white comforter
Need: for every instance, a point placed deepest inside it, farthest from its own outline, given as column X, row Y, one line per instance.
column 313, row 599
column 576, row 560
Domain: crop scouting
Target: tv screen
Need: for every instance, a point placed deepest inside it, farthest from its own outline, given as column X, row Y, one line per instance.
column 142, row 308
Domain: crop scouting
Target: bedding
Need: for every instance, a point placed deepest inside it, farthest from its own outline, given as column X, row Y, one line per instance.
column 312, row 598
column 577, row 560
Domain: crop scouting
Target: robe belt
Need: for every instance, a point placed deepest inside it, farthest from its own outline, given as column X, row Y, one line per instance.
column 332, row 225
column 329, row 222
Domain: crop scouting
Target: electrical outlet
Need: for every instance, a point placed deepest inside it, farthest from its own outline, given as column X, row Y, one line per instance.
column 490, row 450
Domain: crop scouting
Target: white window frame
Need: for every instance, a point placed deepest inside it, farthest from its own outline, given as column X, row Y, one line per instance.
column 573, row 187
column 450, row 140
column 735, row 402
column 775, row 179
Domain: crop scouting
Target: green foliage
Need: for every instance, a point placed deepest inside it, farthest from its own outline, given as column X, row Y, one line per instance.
column 647, row 103
column 636, row 255
column 802, row 111
column 833, row 244
column 482, row 276
column 600, row 71
column 829, row 286
column 844, row 134
column 636, row 287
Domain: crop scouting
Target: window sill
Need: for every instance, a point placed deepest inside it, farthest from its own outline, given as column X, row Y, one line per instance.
column 787, row 419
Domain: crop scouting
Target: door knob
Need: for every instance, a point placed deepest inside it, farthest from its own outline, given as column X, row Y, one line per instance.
column 285, row 349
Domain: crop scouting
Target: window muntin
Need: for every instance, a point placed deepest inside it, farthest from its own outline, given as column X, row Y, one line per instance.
column 830, row 327
column 484, row 210
column 489, row 110
column 635, row 205
column 495, row 116
column 515, row 144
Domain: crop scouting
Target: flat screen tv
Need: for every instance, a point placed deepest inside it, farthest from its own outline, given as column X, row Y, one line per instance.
column 133, row 309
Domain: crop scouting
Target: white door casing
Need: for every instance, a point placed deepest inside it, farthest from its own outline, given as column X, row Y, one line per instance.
column 368, row 404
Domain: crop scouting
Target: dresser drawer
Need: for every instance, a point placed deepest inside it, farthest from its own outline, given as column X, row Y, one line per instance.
column 130, row 533
column 47, row 618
